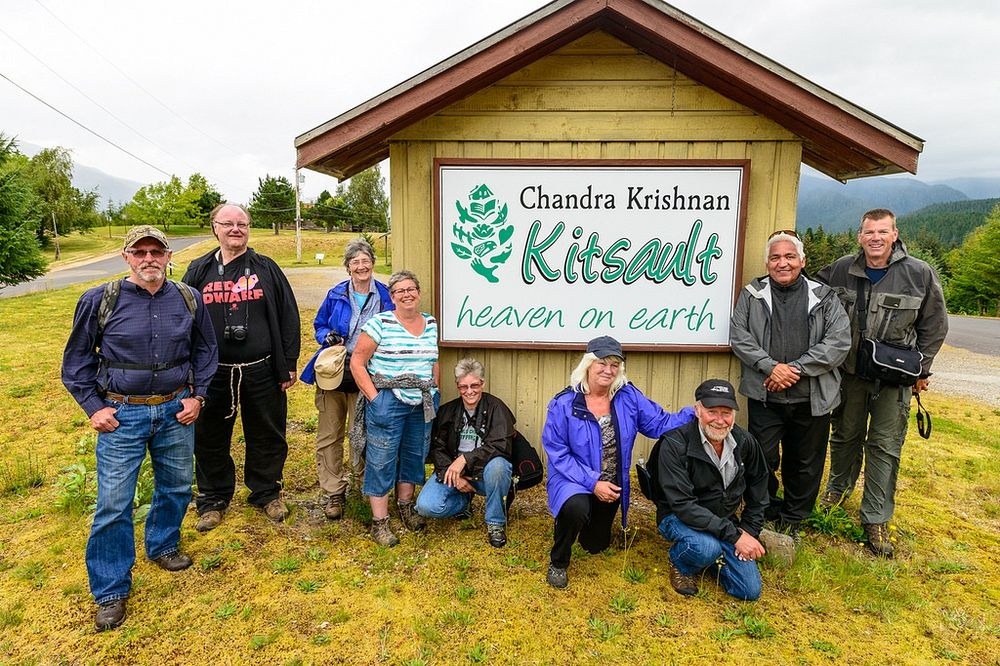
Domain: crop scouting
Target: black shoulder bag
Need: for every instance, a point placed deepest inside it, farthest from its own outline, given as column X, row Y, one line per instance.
column 883, row 362
column 526, row 463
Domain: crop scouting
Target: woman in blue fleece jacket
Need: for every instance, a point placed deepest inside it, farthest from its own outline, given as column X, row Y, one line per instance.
column 588, row 436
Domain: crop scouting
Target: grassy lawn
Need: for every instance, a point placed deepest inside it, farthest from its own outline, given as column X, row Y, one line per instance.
column 77, row 247
column 310, row 591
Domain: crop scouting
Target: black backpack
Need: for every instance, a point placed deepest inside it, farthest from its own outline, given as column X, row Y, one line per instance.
column 648, row 474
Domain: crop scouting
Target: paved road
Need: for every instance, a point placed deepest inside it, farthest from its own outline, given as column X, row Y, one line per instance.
column 977, row 334
column 102, row 268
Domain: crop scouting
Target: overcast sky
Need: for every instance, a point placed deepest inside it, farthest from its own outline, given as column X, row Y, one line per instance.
column 224, row 87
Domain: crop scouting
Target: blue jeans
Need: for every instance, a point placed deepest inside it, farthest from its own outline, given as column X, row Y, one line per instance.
column 439, row 500
column 397, row 441
column 111, row 547
column 693, row 551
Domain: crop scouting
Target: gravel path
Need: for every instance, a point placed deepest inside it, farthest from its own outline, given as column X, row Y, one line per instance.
column 968, row 374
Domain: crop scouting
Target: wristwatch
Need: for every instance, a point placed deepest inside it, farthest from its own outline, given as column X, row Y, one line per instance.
column 200, row 399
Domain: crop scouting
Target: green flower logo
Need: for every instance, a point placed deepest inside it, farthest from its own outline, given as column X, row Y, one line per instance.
column 481, row 235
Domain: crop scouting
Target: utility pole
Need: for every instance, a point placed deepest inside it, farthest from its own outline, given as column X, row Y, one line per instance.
column 55, row 234
column 298, row 217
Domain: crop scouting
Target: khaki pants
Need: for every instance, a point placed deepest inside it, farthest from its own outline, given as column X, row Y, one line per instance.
column 336, row 412
column 868, row 432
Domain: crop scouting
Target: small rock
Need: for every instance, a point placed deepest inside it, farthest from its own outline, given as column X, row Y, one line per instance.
column 780, row 546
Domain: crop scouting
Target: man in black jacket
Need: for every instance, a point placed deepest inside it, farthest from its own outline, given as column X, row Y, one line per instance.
column 705, row 470
column 256, row 322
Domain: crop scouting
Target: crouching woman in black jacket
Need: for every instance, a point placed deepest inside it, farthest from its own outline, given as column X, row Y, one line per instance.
column 471, row 441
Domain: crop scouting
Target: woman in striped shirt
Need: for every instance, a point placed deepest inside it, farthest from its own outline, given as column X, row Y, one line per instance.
column 395, row 365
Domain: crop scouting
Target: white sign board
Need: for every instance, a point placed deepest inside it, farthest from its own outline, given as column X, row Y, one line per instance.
column 554, row 254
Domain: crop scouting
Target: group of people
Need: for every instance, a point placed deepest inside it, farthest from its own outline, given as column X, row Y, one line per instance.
column 167, row 366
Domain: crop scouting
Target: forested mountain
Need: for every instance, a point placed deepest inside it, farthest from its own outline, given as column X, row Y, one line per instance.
column 948, row 222
column 838, row 206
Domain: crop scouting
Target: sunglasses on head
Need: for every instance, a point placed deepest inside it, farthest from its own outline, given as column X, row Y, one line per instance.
column 790, row 232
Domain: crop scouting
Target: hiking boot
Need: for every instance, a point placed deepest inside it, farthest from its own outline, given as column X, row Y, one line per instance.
column 276, row 510
column 173, row 562
column 209, row 520
column 334, row 509
column 557, row 577
column 411, row 520
column 110, row 615
column 878, row 540
column 682, row 583
column 496, row 535
column 830, row 499
column 382, row 533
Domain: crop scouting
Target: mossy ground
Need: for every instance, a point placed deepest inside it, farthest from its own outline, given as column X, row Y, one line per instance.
column 311, row 591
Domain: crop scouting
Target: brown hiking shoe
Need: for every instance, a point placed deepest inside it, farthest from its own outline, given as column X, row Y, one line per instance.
column 110, row 615
column 412, row 520
column 382, row 533
column 209, row 520
column 682, row 583
column 334, row 509
column 830, row 499
column 879, row 541
column 276, row 510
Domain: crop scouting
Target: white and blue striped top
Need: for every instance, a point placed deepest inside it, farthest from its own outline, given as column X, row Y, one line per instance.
column 398, row 352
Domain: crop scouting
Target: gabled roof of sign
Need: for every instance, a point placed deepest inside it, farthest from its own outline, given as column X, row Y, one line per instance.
column 839, row 138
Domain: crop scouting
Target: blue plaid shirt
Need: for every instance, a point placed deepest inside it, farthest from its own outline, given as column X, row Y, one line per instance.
column 143, row 329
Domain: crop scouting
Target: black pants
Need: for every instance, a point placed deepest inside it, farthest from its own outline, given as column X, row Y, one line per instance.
column 584, row 517
column 263, row 410
column 803, row 439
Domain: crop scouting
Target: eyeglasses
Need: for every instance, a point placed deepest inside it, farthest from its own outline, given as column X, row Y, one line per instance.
column 462, row 388
column 405, row 290
column 155, row 254
column 242, row 226
column 790, row 232
column 355, row 263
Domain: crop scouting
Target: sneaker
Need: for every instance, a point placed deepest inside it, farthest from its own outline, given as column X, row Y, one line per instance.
column 496, row 535
column 382, row 533
column 878, row 540
column 557, row 577
column 411, row 520
column 830, row 499
column 334, row 508
column 276, row 510
column 173, row 561
column 682, row 583
column 110, row 615
column 209, row 520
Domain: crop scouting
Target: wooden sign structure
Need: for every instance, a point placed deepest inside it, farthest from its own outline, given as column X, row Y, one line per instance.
column 569, row 95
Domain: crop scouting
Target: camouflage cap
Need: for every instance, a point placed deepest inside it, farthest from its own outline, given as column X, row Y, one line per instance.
column 136, row 234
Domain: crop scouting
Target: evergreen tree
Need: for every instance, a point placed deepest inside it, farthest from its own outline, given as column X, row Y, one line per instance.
column 20, row 255
column 273, row 204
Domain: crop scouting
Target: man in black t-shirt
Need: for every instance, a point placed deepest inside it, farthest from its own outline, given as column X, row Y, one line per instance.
column 256, row 321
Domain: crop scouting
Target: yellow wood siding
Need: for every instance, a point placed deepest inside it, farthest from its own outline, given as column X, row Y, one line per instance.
column 595, row 98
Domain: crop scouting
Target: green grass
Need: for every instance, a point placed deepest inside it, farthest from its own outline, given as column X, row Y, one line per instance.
column 313, row 591
column 21, row 473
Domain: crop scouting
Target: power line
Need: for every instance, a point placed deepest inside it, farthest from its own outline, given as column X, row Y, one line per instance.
column 94, row 101
column 136, row 83
column 82, row 126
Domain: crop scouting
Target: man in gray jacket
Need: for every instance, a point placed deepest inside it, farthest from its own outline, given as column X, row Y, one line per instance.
column 905, row 306
column 791, row 334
